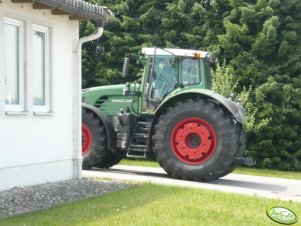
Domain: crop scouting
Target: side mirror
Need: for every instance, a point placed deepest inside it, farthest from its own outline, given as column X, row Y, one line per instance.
column 211, row 59
column 125, row 68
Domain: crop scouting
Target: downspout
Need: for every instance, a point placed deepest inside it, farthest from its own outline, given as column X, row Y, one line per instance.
column 77, row 105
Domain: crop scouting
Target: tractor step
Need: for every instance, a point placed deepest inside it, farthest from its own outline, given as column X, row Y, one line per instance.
column 147, row 124
column 143, row 127
column 139, row 148
column 137, row 151
column 138, row 145
column 143, row 135
column 136, row 156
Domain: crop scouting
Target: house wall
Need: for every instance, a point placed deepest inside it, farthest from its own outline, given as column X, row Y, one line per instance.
column 38, row 147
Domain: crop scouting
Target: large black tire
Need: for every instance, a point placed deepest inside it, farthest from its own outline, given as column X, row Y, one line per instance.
column 241, row 147
column 198, row 140
column 96, row 153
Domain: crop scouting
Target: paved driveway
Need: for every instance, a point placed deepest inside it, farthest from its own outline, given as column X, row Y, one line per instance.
column 285, row 189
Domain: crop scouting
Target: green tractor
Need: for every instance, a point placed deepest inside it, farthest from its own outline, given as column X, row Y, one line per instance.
column 193, row 132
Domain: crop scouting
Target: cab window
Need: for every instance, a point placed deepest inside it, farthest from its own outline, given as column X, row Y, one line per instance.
column 164, row 77
column 190, row 71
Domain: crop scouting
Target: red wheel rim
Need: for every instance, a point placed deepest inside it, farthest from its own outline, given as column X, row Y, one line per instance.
column 86, row 139
column 193, row 140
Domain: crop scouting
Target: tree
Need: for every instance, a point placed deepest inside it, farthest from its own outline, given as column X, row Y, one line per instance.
column 262, row 46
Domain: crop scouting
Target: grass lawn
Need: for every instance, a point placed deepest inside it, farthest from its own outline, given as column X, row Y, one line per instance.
column 148, row 204
column 239, row 170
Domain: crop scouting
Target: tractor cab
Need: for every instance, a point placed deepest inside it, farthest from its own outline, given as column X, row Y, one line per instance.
column 169, row 69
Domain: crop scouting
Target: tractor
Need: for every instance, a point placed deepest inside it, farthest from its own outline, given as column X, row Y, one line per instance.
column 170, row 114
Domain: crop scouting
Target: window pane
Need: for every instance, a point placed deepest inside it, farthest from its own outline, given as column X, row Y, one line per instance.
column 12, row 53
column 39, row 69
column 164, row 77
column 190, row 71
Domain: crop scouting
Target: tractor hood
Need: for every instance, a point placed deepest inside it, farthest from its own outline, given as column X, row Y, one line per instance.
column 92, row 95
column 109, row 99
column 104, row 88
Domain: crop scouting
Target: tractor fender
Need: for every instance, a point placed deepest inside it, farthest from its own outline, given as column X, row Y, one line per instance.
column 234, row 108
column 111, row 134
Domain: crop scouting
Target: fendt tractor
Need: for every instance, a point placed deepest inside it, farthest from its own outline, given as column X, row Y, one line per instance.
column 170, row 113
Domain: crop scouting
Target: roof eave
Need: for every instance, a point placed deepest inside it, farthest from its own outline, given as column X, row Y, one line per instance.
column 76, row 9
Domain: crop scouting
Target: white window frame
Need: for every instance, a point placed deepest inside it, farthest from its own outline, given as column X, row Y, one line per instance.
column 46, row 107
column 20, row 106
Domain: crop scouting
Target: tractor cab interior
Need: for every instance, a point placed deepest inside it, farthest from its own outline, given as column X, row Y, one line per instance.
column 162, row 78
column 166, row 73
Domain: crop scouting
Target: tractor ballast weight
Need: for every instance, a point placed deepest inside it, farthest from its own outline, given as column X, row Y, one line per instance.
column 194, row 133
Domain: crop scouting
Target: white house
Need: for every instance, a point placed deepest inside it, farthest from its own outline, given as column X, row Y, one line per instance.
column 40, row 86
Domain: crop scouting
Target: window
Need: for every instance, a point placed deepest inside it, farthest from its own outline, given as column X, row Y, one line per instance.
column 164, row 77
column 16, row 36
column 190, row 71
column 40, row 68
column 13, row 32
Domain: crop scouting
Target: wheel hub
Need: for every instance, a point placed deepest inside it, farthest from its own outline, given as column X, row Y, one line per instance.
column 193, row 140
column 86, row 139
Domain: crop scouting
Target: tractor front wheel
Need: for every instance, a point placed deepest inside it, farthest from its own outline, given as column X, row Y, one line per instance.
column 197, row 139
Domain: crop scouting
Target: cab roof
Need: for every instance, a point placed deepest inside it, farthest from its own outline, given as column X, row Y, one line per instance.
column 177, row 52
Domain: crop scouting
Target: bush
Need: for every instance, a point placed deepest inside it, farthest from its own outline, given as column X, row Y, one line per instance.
column 225, row 83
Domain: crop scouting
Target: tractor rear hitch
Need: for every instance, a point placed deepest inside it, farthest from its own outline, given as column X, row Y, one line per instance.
column 248, row 161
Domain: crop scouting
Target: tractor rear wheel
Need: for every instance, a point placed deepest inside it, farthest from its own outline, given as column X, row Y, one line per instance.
column 197, row 139
column 94, row 143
